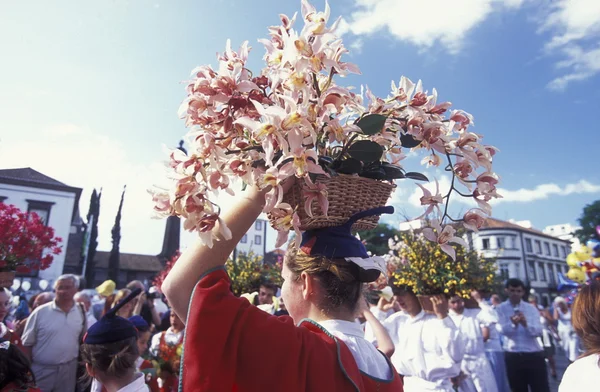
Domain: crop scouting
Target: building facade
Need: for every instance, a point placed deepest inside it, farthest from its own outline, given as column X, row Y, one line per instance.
column 565, row 231
column 525, row 253
column 255, row 240
column 56, row 203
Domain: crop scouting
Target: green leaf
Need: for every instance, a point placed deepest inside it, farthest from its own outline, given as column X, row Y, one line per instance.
column 374, row 173
column 416, row 176
column 350, row 166
column 392, row 172
column 409, row 141
column 372, row 123
column 365, row 151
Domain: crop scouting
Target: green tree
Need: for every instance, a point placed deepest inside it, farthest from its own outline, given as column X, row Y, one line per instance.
column 589, row 219
column 377, row 239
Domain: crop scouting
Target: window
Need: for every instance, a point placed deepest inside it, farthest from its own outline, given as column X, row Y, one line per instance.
column 551, row 274
column 257, row 240
column 531, row 270
column 504, row 271
column 542, row 269
column 501, row 243
column 555, row 250
column 485, row 243
column 563, row 250
column 528, row 245
column 547, row 248
column 258, row 225
column 244, row 239
column 2, row 198
column 41, row 208
column 538, row 247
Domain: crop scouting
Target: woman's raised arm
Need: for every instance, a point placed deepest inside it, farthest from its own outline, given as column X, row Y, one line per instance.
column 198, row 258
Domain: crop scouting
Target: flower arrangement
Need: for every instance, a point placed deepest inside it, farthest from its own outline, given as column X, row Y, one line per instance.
column 426, row 269
column 292, row 120
column 26, row 244
column 248, row 270
column 162, row 275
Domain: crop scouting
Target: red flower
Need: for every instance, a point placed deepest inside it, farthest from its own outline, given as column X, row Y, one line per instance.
column 25, row 242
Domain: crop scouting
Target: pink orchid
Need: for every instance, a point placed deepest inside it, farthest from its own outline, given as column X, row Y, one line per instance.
column 461, row 118
column 474, row 219
column 312, row 191
column 304, row 161
column 431, row 201
column 284, row 218
column 444, row 237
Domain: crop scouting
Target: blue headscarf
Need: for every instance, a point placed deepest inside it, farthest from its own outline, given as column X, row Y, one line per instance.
column 338, row 243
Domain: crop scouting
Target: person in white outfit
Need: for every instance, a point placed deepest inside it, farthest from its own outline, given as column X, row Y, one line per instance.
column 568, row 338
column 474, row 364
column 491, row 331
column 584, row 373
column 428, row 346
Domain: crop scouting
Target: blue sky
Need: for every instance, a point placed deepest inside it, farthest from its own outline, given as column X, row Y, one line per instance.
column 90, row 90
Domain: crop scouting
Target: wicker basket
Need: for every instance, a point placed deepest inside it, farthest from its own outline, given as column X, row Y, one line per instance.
column 347, row 195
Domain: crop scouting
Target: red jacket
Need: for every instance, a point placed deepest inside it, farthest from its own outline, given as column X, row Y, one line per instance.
column 231, row 345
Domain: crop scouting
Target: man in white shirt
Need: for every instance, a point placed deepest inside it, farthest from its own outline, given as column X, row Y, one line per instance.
column 52, row 335
column 428, row 347
column 520, row 322
column 475, row 364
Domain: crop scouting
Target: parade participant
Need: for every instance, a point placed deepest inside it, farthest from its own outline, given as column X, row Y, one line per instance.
column 110, row 352
column 323, row 280
column 520, row 322
column 428, row 346
column 144, row 365
column 15, row 370
column 584, row 373
column 491, row 339
column 52, row 335
column 166, row 348
column 568, row 338
column 5, row 332
column 475, row 363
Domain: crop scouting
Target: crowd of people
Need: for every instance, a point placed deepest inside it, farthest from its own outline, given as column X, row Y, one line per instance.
column 48, row 337
column 317, row 332
column 496, row 346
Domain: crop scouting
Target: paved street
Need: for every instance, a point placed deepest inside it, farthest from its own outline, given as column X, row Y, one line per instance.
column 561, row 365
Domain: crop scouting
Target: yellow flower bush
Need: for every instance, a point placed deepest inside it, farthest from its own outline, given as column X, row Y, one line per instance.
column 248, row 270
column 424, row 268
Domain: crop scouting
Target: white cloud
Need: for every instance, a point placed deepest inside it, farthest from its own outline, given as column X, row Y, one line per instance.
column 574, row 29
column 83, row 159
column 357, row 45
column 545, row 191
column 424, row 23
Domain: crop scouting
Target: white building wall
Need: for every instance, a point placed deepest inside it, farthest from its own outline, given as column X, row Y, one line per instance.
column 255, row 239
column 60, row 217
column 539, row 267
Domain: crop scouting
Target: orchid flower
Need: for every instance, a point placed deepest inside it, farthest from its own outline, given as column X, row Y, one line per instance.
column 312, row 191
column 443, row 237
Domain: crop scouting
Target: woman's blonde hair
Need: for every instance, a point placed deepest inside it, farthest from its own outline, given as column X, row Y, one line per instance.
column 337, row 278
